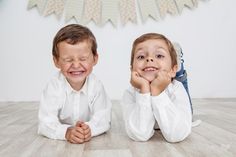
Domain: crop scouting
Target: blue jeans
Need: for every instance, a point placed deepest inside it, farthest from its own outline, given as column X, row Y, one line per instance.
column 181, row 76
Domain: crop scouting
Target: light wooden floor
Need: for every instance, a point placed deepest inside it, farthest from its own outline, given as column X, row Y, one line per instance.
column 216, row 136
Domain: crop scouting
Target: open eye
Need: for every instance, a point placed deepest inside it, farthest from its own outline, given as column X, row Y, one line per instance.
column 140, row 57
column 159, row 56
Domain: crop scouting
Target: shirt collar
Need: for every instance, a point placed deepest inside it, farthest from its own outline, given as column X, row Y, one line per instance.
column 70, row 90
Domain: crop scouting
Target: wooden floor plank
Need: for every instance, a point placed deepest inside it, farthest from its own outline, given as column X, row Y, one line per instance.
column 215, row 136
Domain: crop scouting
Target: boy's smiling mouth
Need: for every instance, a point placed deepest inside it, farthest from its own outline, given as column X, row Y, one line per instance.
column 76, row 72
column 147, row 69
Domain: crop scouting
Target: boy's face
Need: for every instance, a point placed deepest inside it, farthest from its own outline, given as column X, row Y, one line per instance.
column 152, row 56
column 75, row 62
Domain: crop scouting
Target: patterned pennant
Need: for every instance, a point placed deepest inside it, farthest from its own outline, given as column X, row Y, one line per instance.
column 128, row 11
column 92, row 11
column 74, row 8
column 181, row 3
column 166, row 6
column 39, row 3
column 109, row 11
column 195, row 3
column 54, row 6
column 148, row 8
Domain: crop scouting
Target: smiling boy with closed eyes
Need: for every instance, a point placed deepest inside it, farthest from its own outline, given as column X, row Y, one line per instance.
column 74, row 105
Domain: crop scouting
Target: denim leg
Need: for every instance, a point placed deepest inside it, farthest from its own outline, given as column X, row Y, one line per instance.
column 181, row 76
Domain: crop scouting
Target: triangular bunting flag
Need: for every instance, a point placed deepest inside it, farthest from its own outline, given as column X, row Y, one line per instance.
column 40, row 4
column 181, row 3
column 74, row 8
column 109, row 11
column 92, row 11
column 54, row 6
column 195, row 3
column 103, row 11
column 148, row 8
column 166, row 6
column 128, row 11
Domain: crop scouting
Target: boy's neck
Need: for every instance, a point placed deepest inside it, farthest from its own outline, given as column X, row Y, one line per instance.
column 77, row 86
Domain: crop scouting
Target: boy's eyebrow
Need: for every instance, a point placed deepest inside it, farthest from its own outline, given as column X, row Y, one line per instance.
column 140, row 48
column 86, row 55
column 160, row 47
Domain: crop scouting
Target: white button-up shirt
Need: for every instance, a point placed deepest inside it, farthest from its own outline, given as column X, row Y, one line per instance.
column 170, row 111
column 61, row 107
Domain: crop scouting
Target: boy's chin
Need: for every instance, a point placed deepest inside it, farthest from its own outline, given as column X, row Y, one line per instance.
column 76, row 79
column 149, row 78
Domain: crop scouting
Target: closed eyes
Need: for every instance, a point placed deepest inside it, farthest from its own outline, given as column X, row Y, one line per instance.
column 70, row 60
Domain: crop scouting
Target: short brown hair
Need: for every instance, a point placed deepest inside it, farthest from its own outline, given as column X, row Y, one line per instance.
column 72, row 34
column 149, row 36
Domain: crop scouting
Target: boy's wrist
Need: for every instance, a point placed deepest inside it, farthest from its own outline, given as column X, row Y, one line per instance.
column 67, row 135
column 155, row 91
column 145, row 88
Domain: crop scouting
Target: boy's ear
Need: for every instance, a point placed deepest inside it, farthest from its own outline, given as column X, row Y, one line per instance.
column 56, row 62
column 174, row 70
column 95, row 57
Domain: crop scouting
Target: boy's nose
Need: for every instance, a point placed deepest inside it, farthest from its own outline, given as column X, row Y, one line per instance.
column 76, row 64
column 149, row 60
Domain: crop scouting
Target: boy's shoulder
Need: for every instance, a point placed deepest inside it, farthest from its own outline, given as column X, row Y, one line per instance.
column 56, row 82
column 174, row 86
column 93, row 80
column 130, row 92
column 94, row 84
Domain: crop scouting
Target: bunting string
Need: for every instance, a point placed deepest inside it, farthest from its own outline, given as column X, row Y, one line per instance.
column 103, row 11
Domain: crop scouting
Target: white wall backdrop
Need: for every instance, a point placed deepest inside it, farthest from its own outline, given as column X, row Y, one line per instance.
column 207, row 35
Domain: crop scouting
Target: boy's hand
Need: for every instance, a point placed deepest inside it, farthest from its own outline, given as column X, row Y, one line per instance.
column 162, row 80
column 87, row 132
column 75, row 135
column 139, row 82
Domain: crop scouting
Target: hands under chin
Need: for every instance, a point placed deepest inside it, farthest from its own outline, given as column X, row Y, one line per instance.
column 139, row 82
column 79, row 133
column 160, row 83
column 155, row 87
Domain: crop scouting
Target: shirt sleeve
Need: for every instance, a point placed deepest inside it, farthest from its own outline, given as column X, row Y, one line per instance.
column 173, row 114
column 138, row 116
column 100, row 107
column 49, row 124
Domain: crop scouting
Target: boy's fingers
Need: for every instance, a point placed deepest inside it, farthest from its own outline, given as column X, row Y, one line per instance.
column 87, row 139
column 84, row 126
column 87, row 135
column 79, row 123
column 156, row 75
column 86, row 131
column 79, row 135
column 134, row 73
column 80, row 130
column 77, row 140
column 73, row 139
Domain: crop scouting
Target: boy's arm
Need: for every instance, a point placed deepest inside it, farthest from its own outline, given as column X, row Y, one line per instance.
column 173, row 113
column 138, row 116
column 100, row 106
column 49, row 124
